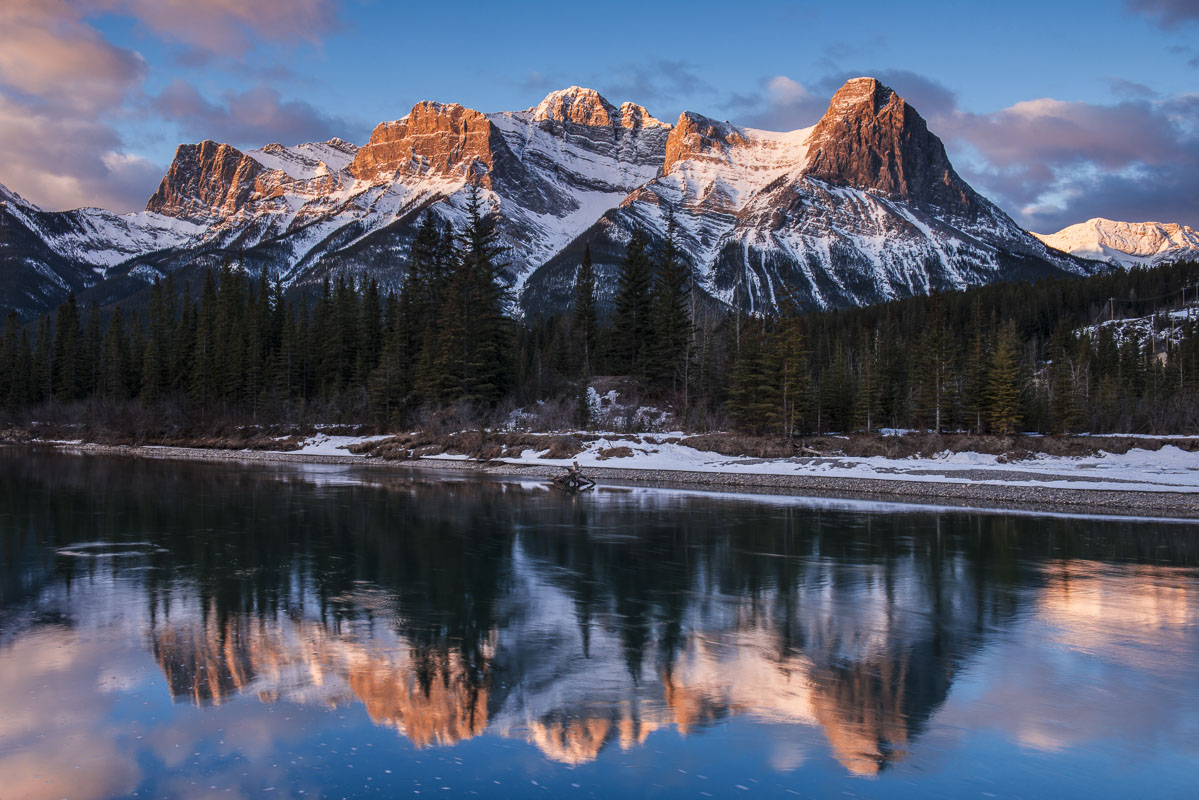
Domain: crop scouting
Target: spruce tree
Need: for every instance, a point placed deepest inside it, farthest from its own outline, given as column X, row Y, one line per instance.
column 794, row 381
column 68, row 355
column 583, row 308
column 202, row 386
column 669, row 351
column 474, row 335
column 1003, row 383
column 116, row 382
column 934, row 367
column 633, row 320
column 11, row 392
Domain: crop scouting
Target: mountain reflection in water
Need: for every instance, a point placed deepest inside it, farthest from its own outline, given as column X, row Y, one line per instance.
column 458, row 609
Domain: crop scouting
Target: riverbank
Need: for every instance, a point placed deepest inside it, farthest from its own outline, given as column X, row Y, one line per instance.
column 1020, row 487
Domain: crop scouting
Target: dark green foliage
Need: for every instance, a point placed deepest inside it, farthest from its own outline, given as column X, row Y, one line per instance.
column 585, row 317
column 1000, row 359
column 632, row 323
column 473, row 337
column 669, row 354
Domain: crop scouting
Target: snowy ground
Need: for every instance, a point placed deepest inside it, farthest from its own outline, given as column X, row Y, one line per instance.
column 324, row 445
column 1169, row 469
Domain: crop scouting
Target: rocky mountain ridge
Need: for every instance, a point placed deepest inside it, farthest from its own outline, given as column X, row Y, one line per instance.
column 1127, row 244
column 862, row 207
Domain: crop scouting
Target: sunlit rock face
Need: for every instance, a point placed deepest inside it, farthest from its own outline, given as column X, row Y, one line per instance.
column 864, row 206
column 1127, row 244
column 872, row 139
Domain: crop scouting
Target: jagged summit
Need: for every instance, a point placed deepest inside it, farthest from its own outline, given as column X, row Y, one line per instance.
column 1128, row 244
column 588, row 107
column 9, row 196
column 576, row 104
column 862, row 207
column 871, row 138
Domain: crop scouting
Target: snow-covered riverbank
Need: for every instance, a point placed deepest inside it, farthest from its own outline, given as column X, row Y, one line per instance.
column 1138, row 482
column 1169, row 469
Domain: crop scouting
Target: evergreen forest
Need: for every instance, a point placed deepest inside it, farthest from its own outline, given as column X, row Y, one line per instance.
column 1117, row 352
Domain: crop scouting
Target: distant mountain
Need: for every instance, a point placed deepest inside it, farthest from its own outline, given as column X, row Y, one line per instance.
column 862, row 207
column 1127, row 244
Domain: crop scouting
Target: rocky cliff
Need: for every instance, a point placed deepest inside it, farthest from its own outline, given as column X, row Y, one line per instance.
column 862, row 207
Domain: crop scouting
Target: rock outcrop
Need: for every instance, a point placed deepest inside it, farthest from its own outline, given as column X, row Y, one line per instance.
column 864, row 206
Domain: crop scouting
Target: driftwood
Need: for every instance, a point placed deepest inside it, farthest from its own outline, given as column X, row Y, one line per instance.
column 573, row 480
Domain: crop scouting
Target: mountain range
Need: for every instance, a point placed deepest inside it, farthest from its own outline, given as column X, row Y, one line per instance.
column 862, row 207
column 1127, row 244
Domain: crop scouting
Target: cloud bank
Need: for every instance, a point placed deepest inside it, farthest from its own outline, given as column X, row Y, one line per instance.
column 64, row 88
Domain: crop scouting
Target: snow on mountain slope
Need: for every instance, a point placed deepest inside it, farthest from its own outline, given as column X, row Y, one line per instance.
column 550, row 171
column 9, row 196
column 103, row 239
column 862, row 207
column 304, row 161
column 1128, row 244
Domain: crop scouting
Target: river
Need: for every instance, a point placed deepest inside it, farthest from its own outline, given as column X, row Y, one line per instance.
column 202, row 630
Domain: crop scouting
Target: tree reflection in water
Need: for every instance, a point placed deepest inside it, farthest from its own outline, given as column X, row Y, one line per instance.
column 456, row 608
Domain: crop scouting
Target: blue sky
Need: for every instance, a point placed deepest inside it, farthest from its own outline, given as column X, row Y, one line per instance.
column 1057, row 110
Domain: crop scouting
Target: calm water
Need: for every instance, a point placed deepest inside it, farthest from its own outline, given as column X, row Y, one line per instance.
column 209, row 630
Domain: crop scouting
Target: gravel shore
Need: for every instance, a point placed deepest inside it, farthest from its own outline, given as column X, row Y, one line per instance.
column 1035, row 498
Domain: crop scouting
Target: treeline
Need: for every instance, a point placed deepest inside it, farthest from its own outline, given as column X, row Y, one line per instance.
column 446, row 346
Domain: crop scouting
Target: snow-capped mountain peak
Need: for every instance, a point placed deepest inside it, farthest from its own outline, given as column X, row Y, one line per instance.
column 1128, row 244
column 862, row 207
column 9, row 196
column 588, row 107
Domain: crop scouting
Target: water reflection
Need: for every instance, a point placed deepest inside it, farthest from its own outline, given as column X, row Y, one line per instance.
column 451, row 611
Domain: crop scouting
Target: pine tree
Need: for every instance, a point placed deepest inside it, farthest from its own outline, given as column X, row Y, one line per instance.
column 67, row 360
column 671, row 297
column 12, row 389
column 633, row 320
column 474, row 338
column 934, row 366
column 116, row 382
column 586, row 324
column 867, row 381
column 156, row 360
column 92, row 345
column 977, row 363
column 794, row 380
column 202, row 387
column 754, row 396
column 1003, row 383
column 41, row 374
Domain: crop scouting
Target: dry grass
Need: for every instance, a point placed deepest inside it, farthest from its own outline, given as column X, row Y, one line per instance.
column 614, row 452
column 923, row 444
column 482, row 445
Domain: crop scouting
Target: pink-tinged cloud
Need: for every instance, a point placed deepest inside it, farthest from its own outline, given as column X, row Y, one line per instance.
column 783, row 103
column 230, row 27
column 62, row 83
column 59, row 161
column 252, row 117
column 1053, row 163
column 47, row 52
column 1057, row 133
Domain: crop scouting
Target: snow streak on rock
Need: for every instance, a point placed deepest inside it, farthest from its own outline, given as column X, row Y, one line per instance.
column 862, row 207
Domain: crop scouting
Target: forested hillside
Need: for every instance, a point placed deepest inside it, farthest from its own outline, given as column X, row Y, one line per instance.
column 1049, row 356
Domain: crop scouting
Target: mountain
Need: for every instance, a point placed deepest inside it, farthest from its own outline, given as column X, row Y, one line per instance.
column 1127, row 244
column 45, row 255
column 862, row 207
